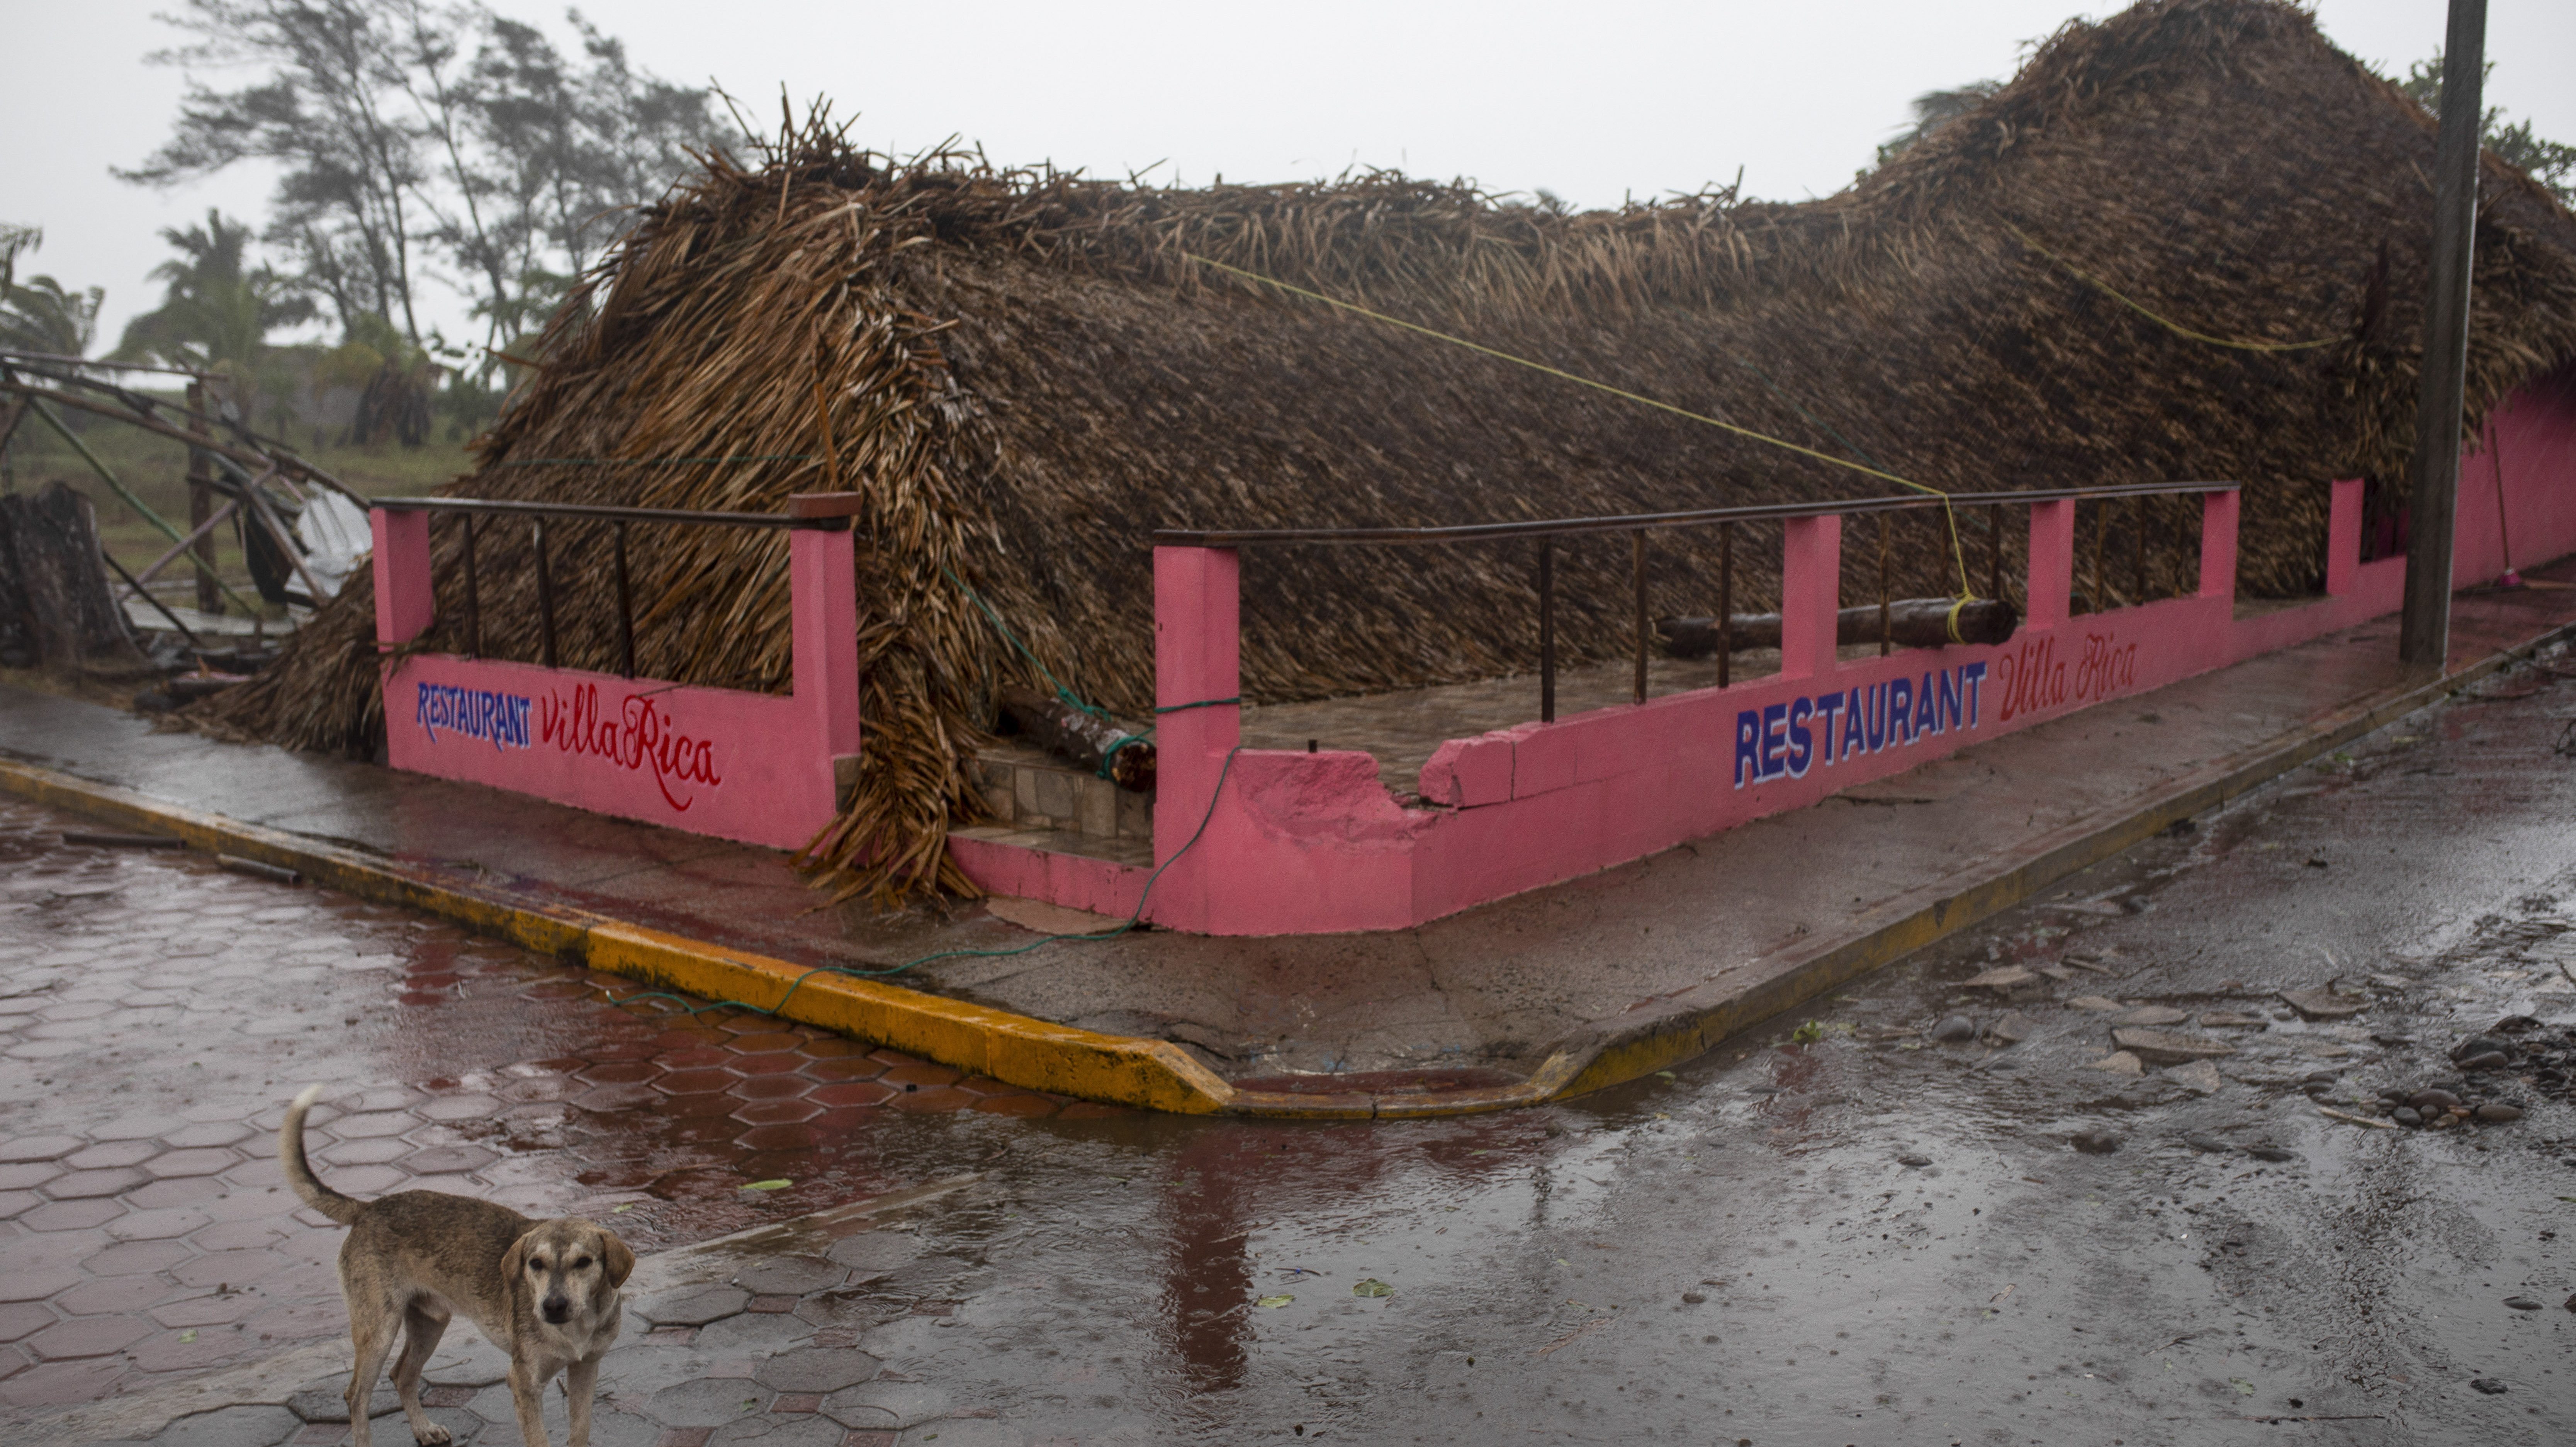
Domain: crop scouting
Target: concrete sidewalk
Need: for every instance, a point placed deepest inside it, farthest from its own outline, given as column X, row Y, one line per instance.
column 1557, row 991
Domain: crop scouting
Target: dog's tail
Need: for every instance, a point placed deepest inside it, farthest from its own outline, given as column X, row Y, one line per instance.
column 290, row 1155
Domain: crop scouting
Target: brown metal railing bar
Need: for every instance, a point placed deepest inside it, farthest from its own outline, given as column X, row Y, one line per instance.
column 2138, row 553
column 2186, row 548
column 1639, row 558
column 2101, row 534
column 1560, row 527
column 587, row 510
column 1886, row 632
column 625, row 606
column 545, row 594
column 1725, row 600
column 473, row 597
column 1547, row 630
column 1995, row 551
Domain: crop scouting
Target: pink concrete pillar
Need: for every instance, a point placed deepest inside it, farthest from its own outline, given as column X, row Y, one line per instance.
column 2218, row 544
column 2343, row 536
column 1198, row 659
column 1811, row 572
column 2052, row 562
column 823, row 613
column 406, row 603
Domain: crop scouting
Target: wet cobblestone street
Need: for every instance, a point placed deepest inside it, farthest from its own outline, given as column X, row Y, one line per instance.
column 157, row 1012
column 1853, row 1224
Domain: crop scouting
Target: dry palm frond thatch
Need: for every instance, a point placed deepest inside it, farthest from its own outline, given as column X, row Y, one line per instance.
column 1027, row 372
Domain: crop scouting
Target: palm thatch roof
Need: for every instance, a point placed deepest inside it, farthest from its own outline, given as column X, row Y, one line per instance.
column 1027, row 372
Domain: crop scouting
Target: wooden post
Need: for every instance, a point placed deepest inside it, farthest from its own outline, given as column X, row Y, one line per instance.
column 2424, row 630
column 201, row 503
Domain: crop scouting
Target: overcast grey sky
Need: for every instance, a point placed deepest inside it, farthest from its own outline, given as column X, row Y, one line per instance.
column 1592, row 101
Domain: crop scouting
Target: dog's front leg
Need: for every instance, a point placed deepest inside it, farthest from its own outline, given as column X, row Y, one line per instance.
column 581, row 1380
column 528, row 1394
column 423, row 1324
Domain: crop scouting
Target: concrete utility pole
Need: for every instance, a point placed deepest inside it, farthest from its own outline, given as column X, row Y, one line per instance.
column 2424, row 635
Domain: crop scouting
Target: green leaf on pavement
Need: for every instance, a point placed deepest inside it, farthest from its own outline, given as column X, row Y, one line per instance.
column 769, row 1185
column 2243, row 1387
column 1274, row 1301
column 187, row 1336
column 1371, row 1286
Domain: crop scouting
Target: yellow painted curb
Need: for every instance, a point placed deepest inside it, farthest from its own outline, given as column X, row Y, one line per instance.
column 1014, row 1049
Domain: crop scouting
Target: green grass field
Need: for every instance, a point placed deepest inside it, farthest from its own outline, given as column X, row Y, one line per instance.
column 155, row 470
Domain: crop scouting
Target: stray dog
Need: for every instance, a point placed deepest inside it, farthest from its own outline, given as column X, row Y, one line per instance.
column 546, row 1292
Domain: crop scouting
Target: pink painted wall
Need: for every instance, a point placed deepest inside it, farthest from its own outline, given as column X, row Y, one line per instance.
column 746, row 766
column 2534, row 434
column 1312, row 843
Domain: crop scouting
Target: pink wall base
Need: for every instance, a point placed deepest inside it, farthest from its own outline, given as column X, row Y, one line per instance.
column 1312, row 843
column 746, row 766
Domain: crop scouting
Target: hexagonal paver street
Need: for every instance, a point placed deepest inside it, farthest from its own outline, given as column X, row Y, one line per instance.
column 157, row 1012
column 1861, row 1228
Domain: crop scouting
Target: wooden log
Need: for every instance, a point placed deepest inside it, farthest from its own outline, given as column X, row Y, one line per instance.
column 1912, row 622
column 201, row 503
column 1081, row 738
column 58, row 577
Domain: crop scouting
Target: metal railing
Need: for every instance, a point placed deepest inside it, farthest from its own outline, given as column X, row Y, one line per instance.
column 1724, row 519
column 831, row 510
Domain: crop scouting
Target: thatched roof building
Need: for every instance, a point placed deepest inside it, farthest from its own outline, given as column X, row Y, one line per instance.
column 1028, row 372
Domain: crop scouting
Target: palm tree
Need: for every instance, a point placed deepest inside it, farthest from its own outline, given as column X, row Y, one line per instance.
column 43, row 315
column 215, row 314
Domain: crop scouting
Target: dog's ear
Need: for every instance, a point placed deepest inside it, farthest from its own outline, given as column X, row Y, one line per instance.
column 619, row 1256
column 514, row 1262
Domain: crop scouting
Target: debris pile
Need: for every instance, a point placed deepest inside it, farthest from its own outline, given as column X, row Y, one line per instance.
column 2498, row 1072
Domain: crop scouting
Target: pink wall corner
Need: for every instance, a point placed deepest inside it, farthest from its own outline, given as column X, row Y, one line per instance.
column 1542, row 758
column 2218, row 515
column 824, row 633
column 406, row 602
column 2528, row 454
column 1197, row 664
column 1466, row 773
column 1321, row 800
column 1810, row 594
column 1307, row 844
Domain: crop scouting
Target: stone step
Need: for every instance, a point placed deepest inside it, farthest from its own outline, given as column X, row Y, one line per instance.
column 1030, row 790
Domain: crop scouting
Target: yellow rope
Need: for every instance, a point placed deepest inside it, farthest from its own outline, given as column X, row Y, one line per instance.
column 1959, row 553
column 2167, row 323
